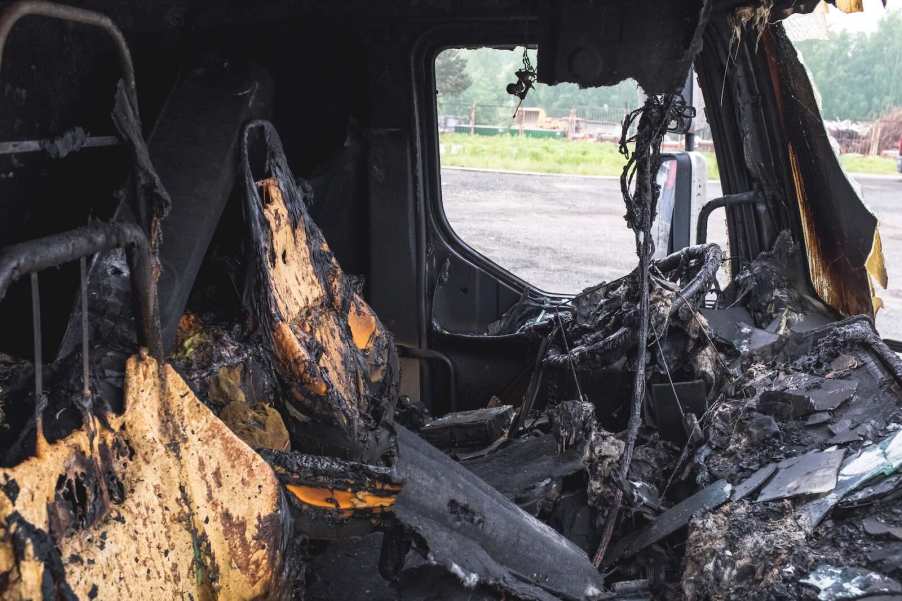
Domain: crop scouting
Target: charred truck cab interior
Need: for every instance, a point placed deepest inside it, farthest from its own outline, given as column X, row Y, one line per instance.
column 245, row 355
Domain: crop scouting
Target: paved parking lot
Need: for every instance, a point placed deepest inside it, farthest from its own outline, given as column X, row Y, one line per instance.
column 564, row 233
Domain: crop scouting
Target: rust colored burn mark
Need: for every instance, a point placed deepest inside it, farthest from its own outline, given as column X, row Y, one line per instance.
column 242, row 550
column 234, row 455
column 837, row 281
column 827, row 269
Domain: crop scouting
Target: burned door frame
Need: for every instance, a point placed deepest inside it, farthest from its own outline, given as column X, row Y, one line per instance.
column 771, row 141
column 464, row 290
column 749, row 144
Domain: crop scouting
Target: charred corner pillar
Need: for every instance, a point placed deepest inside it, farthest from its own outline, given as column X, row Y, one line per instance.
column 841, row 236
column 195, row 150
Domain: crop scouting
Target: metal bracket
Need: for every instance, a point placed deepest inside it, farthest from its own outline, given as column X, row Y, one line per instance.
column 752, row 197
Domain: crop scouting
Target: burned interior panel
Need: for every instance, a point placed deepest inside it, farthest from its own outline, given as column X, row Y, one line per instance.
column 265, row 370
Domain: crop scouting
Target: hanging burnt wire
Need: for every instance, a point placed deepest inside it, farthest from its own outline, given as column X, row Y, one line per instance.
column 658, row 116
column 526, row 80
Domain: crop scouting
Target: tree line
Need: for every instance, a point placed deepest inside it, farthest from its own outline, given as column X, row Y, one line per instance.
column 858, row 77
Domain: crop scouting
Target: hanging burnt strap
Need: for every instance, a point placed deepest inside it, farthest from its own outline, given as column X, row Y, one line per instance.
column 657, row 116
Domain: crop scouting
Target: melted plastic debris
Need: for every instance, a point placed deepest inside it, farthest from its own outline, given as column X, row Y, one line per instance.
column 836, row 583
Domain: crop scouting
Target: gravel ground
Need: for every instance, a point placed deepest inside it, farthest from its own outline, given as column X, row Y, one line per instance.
column 564, row 232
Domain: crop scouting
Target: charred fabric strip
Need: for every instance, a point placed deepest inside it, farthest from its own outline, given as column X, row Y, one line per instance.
column 150, row 201
column 327, row 472
column 640, row 194
column 476, row 533
column 329, row 346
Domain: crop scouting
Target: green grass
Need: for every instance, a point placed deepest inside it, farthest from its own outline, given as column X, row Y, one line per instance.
column 544, row 155
column 857, row 163
column 550, row 155
column 541, row 155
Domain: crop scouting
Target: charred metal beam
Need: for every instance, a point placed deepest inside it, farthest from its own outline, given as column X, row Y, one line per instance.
column 33, row 256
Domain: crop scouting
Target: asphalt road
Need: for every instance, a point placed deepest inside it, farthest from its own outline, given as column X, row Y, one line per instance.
column 564, row 232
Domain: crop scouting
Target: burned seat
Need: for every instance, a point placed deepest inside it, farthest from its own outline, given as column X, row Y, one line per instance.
column 328, row 345
column 145, row 497
column 352, row 468
column 161, row 500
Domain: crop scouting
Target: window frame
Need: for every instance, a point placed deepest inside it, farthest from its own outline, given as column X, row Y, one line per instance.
column 500, row 34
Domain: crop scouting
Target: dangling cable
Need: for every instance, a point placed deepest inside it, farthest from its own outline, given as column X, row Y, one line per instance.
column 86, row 403
column 40, row 403
column 657, row 116
column 526, row 80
